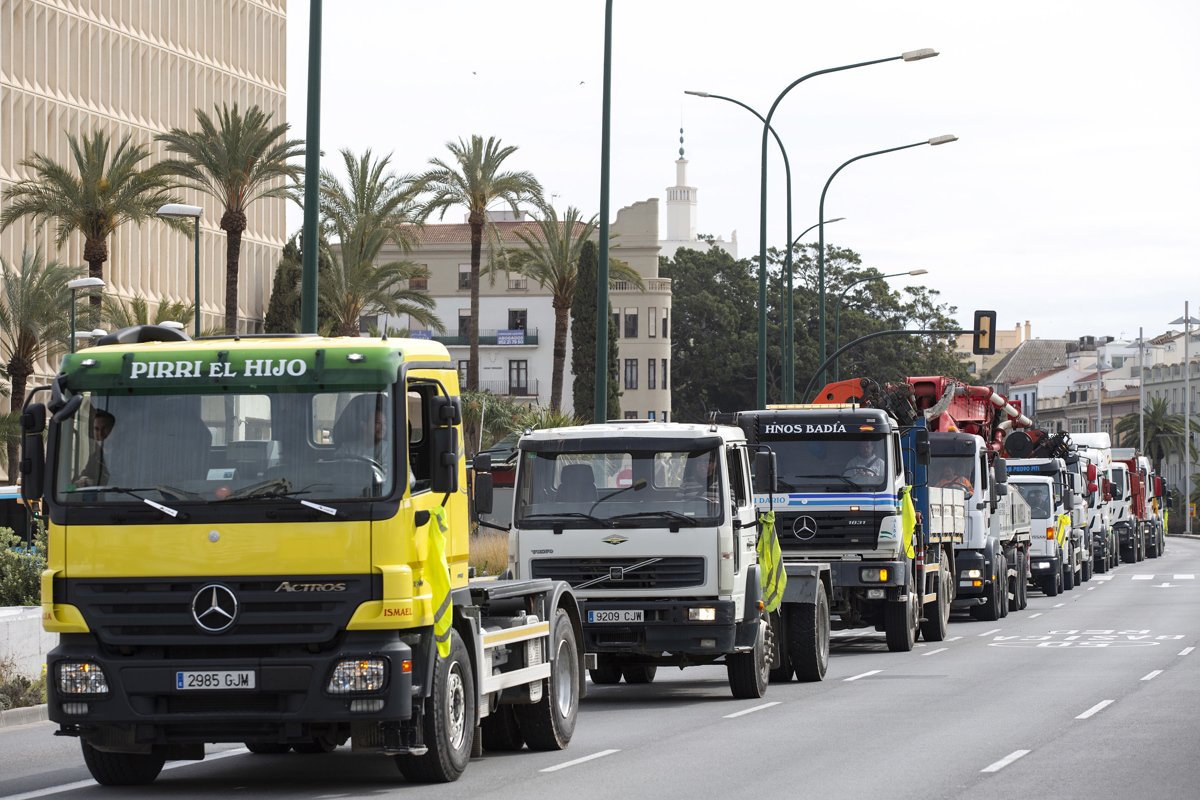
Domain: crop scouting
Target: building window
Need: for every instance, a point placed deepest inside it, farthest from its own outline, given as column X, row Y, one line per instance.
column 665, row 333
column 518, row 284
column 631, row 326
column 419, row 284
column 464, row 323
column 462, row 371
column 616, row 322
column 464, row 276
column 631, row 415
column 517, row 318
column 664, row 416
column 631, row 374
column 651, row 374
column 651, row 416
column 664, row 373
column 365, row 324
column 652, row 322
column 518, row 377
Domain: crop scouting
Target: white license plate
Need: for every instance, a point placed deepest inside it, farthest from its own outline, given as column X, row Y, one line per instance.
column 217, row 679
column 616, row 616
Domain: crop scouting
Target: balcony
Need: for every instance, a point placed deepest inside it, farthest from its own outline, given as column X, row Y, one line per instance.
column 489, row 338
column 508, row 389
column 652, row 285
column 518, row 284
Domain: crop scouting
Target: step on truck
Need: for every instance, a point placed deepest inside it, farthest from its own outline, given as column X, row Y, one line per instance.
column 842, row 470
column 654, row 526
column 264, row 540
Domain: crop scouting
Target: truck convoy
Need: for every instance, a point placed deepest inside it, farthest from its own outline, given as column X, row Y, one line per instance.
column 1144, row 522
column 654, row 526
column 264, row 540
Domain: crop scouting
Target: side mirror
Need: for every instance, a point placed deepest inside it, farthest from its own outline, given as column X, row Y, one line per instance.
column 482, row 463
column 483, row 493
column 1092, row 487
column 1117, row 494
column 764, row 472
column 1158, row 487
column 1068, row 499
column 1091, row 475
column 1001, row 468
column 921, row 446
column 33, row 453
column 1001, row 489
column 444, row 473
column 446, row 410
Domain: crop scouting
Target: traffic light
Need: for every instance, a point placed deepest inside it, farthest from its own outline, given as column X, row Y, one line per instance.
column 984, row 341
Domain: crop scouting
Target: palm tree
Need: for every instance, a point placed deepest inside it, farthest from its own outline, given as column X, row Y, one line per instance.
column 375, row 207
column 474, row 181
column 107, row 192
column 237, row 160
column 1164, row 432
column 553, row 261
column 34, row 318
column 120, row 314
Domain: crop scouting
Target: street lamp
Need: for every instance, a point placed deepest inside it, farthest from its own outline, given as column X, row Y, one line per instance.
column 935, row 141
column 1187, row 322
column 74, row 286
column 837, row 313
column 181, row 211
column 912, row 55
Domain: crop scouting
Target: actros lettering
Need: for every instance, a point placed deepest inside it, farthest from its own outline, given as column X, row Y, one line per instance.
column 807, row 427
column 288, row 586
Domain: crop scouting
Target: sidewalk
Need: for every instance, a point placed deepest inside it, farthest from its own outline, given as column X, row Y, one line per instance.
column 22, row 716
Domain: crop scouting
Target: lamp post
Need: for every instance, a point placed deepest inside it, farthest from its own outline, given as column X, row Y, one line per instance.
column 600, row 412
column 1187, row 321
column 312, row 172
column 181, row 211
column 837, row 312
column 821, row 227
column 75, row 286
column 912, row 55
column 1141, row 392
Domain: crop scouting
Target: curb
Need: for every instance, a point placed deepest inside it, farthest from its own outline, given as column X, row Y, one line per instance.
column 1183, row 536
column 23, row 716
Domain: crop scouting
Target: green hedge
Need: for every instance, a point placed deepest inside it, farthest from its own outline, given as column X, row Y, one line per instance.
column 21, row 568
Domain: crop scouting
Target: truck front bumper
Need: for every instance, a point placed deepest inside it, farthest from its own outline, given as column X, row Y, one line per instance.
column 288, row 702
column 665, row 628
column 865, row 578
column 974, row 578
column 1125, row 534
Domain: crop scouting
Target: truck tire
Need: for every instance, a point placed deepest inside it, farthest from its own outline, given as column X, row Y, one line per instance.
column 605, row 673
column 995, row 602
column 500, row 731
column 937, row 613
column 1152, row 546
column 267, row 748
column 808, row 637
column 639, row 674
column 449, row 721
column 318, row 746
column 1087, row 569
column 749, row 673
column 900, row 620
column 780, row 621
column 1050, row 585
column 549, row 723
column 1001, row 559
column 121, row 769
column 1023, row 580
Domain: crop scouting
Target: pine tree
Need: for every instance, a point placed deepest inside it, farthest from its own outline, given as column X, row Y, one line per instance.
column 283, row 309
column 583, row 341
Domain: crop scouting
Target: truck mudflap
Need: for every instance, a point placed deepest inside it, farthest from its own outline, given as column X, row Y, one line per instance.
column 803, row 580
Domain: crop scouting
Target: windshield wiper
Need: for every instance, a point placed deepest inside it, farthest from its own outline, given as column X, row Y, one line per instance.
column 171, row 512
column 579, row 514
column 846, row 481
column 663, row 513
column 274, row 487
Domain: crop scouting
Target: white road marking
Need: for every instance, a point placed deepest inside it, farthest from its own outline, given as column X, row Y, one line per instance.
column 69, row 787
column 1060, row 605
column 1185, row 577
column 1096, row 709
column 1090, row 588
column 989, row 633
column 931, row 652
column 951, row 638
column 1143, row 577
column 1163, row 586
column 846, row 680
column 1035, row 616
column 1153, row 675
column 566, row 764
column 743, row 712
column 1186, row 650
column 1004, row 762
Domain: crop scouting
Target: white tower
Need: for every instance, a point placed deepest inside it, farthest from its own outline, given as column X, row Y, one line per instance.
column 681, row 202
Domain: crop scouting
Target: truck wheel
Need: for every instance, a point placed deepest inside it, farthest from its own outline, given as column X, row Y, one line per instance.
column 779, row 622
column 121, row 769
column 549, row 723
column 639, row 674
column 808, row 637
column 994, row 601
column 749, row 673
column 900, row 620
column 1022, row 581
column 605, row 672
column 937, row 613
column 500, row 731
column 267, row 748
column 1050, row 585
column 449, row 721
column 1087, row 569
column 1100, row 565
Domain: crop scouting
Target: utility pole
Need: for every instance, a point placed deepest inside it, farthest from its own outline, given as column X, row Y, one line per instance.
column 1141, row 392
column 1099, row 411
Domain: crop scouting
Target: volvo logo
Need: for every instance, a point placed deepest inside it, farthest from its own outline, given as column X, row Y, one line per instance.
column 215, row 608
column 804, row 527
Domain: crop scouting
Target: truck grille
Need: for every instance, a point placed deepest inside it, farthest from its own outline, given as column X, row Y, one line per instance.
column 673, row 572
column 122, row 611
column 829, row 531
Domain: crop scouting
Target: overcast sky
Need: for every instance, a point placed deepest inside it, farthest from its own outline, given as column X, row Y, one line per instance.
column 1071, row 198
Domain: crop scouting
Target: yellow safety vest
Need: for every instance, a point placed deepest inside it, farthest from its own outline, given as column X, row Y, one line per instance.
column 770, row 560
column 1060, row 534
column 437, row 572
column 908, row 520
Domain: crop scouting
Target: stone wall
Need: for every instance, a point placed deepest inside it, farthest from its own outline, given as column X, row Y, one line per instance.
column 22, row 638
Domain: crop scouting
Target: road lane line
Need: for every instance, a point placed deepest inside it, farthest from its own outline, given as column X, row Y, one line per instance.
column 844, row 680
column 1096, row 709
column 1060, row 605
column 1004, row 762
column 70, row 787
column 1153, row 675
column 1143, row 577
column 931, row 652
column 1090, row 588
column 1184, row 577
column 566, row 764
column 951, row 638
column 1035, row 616
column 1186, row 650
column 989, row 633
column 745, row 711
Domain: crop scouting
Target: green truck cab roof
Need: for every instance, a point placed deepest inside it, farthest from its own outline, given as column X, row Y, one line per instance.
column 263, row 363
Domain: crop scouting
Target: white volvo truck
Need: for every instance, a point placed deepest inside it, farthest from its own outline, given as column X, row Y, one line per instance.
column 1097, row 449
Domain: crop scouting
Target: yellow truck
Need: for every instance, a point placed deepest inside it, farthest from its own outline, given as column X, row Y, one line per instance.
column 264, row 539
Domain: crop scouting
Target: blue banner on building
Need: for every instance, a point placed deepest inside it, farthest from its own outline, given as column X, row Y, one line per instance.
column 510, row 337
column 420, row 334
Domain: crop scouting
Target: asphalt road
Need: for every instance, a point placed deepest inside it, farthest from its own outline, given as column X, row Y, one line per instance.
column 1094, row 693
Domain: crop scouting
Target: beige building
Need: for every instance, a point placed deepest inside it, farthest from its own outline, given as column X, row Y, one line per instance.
column 142, row 67
column 1006, row 342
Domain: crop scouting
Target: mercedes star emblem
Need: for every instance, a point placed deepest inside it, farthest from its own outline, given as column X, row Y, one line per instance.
column 804, row 527
column 215, row 608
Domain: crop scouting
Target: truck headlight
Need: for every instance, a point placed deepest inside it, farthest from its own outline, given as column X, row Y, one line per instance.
column 1040, row 565
column 355, row 675
column 702, row 614
column 972, row 573
column 82, row 678
column 873, row 574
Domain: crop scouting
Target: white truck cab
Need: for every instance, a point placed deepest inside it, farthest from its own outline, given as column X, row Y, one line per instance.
column 1062, row 501
column 1046, row 555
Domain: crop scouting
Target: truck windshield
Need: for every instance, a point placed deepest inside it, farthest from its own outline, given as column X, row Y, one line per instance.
column 180, row 448
column 636, row 488
column 1035, row 495
column 953, row 472
column 839, row 461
